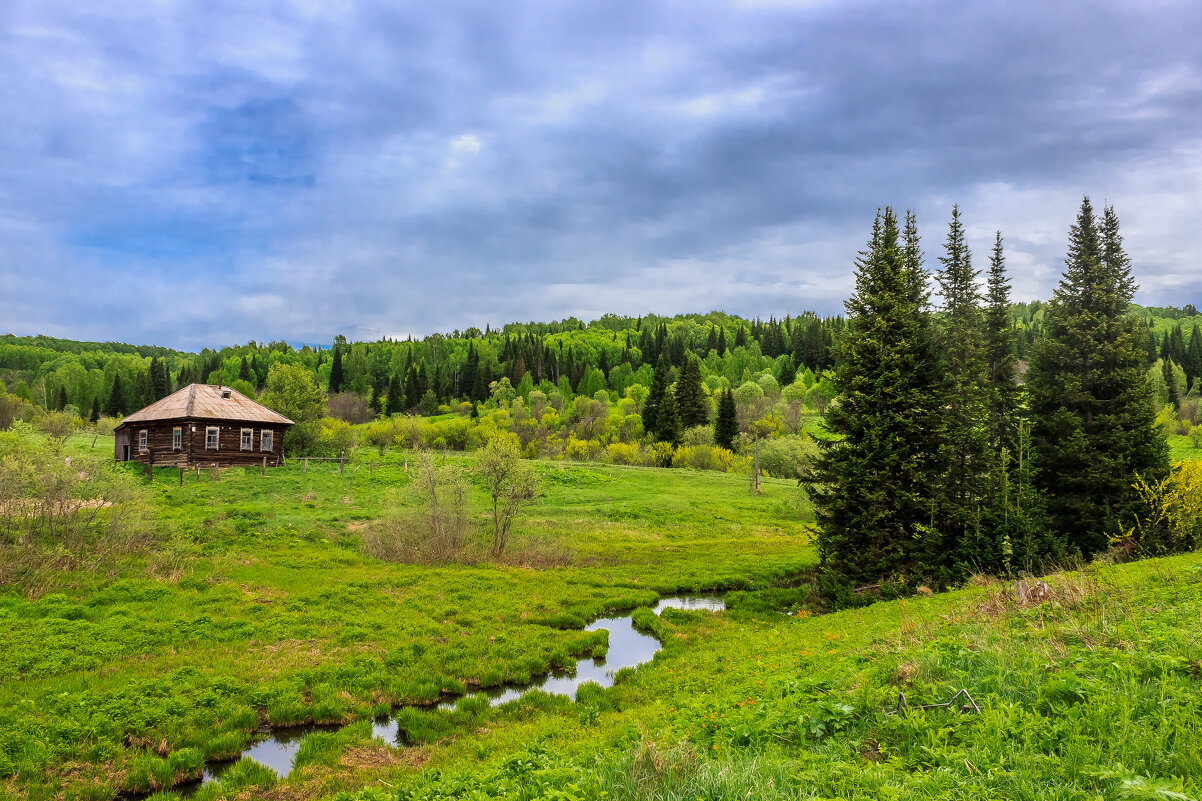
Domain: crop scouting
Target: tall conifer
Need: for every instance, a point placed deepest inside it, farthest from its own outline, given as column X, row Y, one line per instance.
column 690, row 395
column 336, row 378
column 726, row 426
column 667, row 421
column 659, row 387
column 964, row 489
column 872, row 482
column 1093, row 420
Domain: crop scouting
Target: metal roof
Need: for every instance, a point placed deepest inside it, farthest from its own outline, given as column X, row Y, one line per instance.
column 207, row 402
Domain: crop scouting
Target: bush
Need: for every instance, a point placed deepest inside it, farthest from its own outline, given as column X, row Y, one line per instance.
column 72, row 503
column 787, row 456
column 439, row 530
column 623, row 453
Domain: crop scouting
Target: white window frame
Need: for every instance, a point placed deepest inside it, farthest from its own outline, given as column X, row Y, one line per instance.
column 216, row 438
column 266, row 440
column 143, row 441
column 177, row 439
column 247, row 442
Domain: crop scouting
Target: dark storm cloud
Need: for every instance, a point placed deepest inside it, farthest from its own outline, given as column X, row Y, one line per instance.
column 377, row 169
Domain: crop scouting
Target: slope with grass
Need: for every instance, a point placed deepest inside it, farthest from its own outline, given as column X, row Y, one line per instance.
column 1094, row 692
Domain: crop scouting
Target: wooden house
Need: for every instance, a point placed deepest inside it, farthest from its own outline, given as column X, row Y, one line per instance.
column 202, row 425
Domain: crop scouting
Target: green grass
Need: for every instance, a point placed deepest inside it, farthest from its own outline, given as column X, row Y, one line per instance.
column 257, row 607
column 1096, row 693
column 1181, row 449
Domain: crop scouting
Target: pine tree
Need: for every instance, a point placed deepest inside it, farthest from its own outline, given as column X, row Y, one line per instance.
column 467, row 375
column 964, row 489
column 667, row 421
column 872, row 483
column 1011, row 511
column 395, row 401
column 1193, row 356
column 159, row 380
column 741, row 337
column 691, row 402
column 659, row 387
column 115, row 405
column 143, row 392
column 336, row 377
column 95, row 415
column 1093, row 422
column 721, row 341
column 726, row 426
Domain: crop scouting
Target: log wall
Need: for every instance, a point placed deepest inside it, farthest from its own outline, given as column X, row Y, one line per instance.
column 192, row 451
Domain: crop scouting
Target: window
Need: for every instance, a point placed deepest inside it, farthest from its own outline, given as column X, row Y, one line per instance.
column 142, row 441
column 211, row 437
column 264, row 440
column 248, row 435
column 226, row 394
column 177, row 439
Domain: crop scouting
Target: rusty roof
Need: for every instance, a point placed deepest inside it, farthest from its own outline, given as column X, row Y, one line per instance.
column 207, row 402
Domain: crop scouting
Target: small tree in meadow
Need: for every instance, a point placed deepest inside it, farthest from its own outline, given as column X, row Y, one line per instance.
column 510, row 483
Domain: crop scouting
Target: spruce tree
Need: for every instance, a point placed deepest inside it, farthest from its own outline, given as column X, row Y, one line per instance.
column 964, row 489
column 726, row 426
column 655, row 398
column 395, row 401
column 1193, row 356
column 872, row 482
column 667, row 421
column 722, row 341
column 1003, row 396
column 1093, row 422
column 115, row 405
column 143, row 392
column 691, row 402
column 95, row 415
column 467, row 374
column 336, row 377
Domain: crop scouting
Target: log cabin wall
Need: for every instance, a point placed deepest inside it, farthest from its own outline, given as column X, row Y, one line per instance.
column 161, row 453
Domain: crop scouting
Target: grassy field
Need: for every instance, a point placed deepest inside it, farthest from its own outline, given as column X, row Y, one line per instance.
column 257, row 607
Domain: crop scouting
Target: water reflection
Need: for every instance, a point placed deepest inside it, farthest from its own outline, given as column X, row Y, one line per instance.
column 627, row 648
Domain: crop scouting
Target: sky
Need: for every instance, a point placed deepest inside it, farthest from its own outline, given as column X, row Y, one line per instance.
column 209, row 173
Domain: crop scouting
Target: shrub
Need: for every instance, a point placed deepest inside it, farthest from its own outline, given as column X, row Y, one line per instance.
column 623, row 453
column 439, row 530
column 787, row 456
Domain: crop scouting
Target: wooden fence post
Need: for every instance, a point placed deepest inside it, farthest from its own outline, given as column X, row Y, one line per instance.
column 263, row 472
column 305, row 469
column 181, row 476
column 370, row 466
column 149, row 472
column 341, row 464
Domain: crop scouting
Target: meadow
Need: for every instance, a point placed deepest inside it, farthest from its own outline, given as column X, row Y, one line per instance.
column 258, row 607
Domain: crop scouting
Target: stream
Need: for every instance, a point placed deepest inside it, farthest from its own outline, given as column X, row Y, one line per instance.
column 627, row 648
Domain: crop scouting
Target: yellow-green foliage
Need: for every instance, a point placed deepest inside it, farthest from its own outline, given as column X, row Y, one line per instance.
column 1173, row 518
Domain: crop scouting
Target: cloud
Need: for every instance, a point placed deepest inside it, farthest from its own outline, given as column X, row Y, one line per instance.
column 378, row 169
